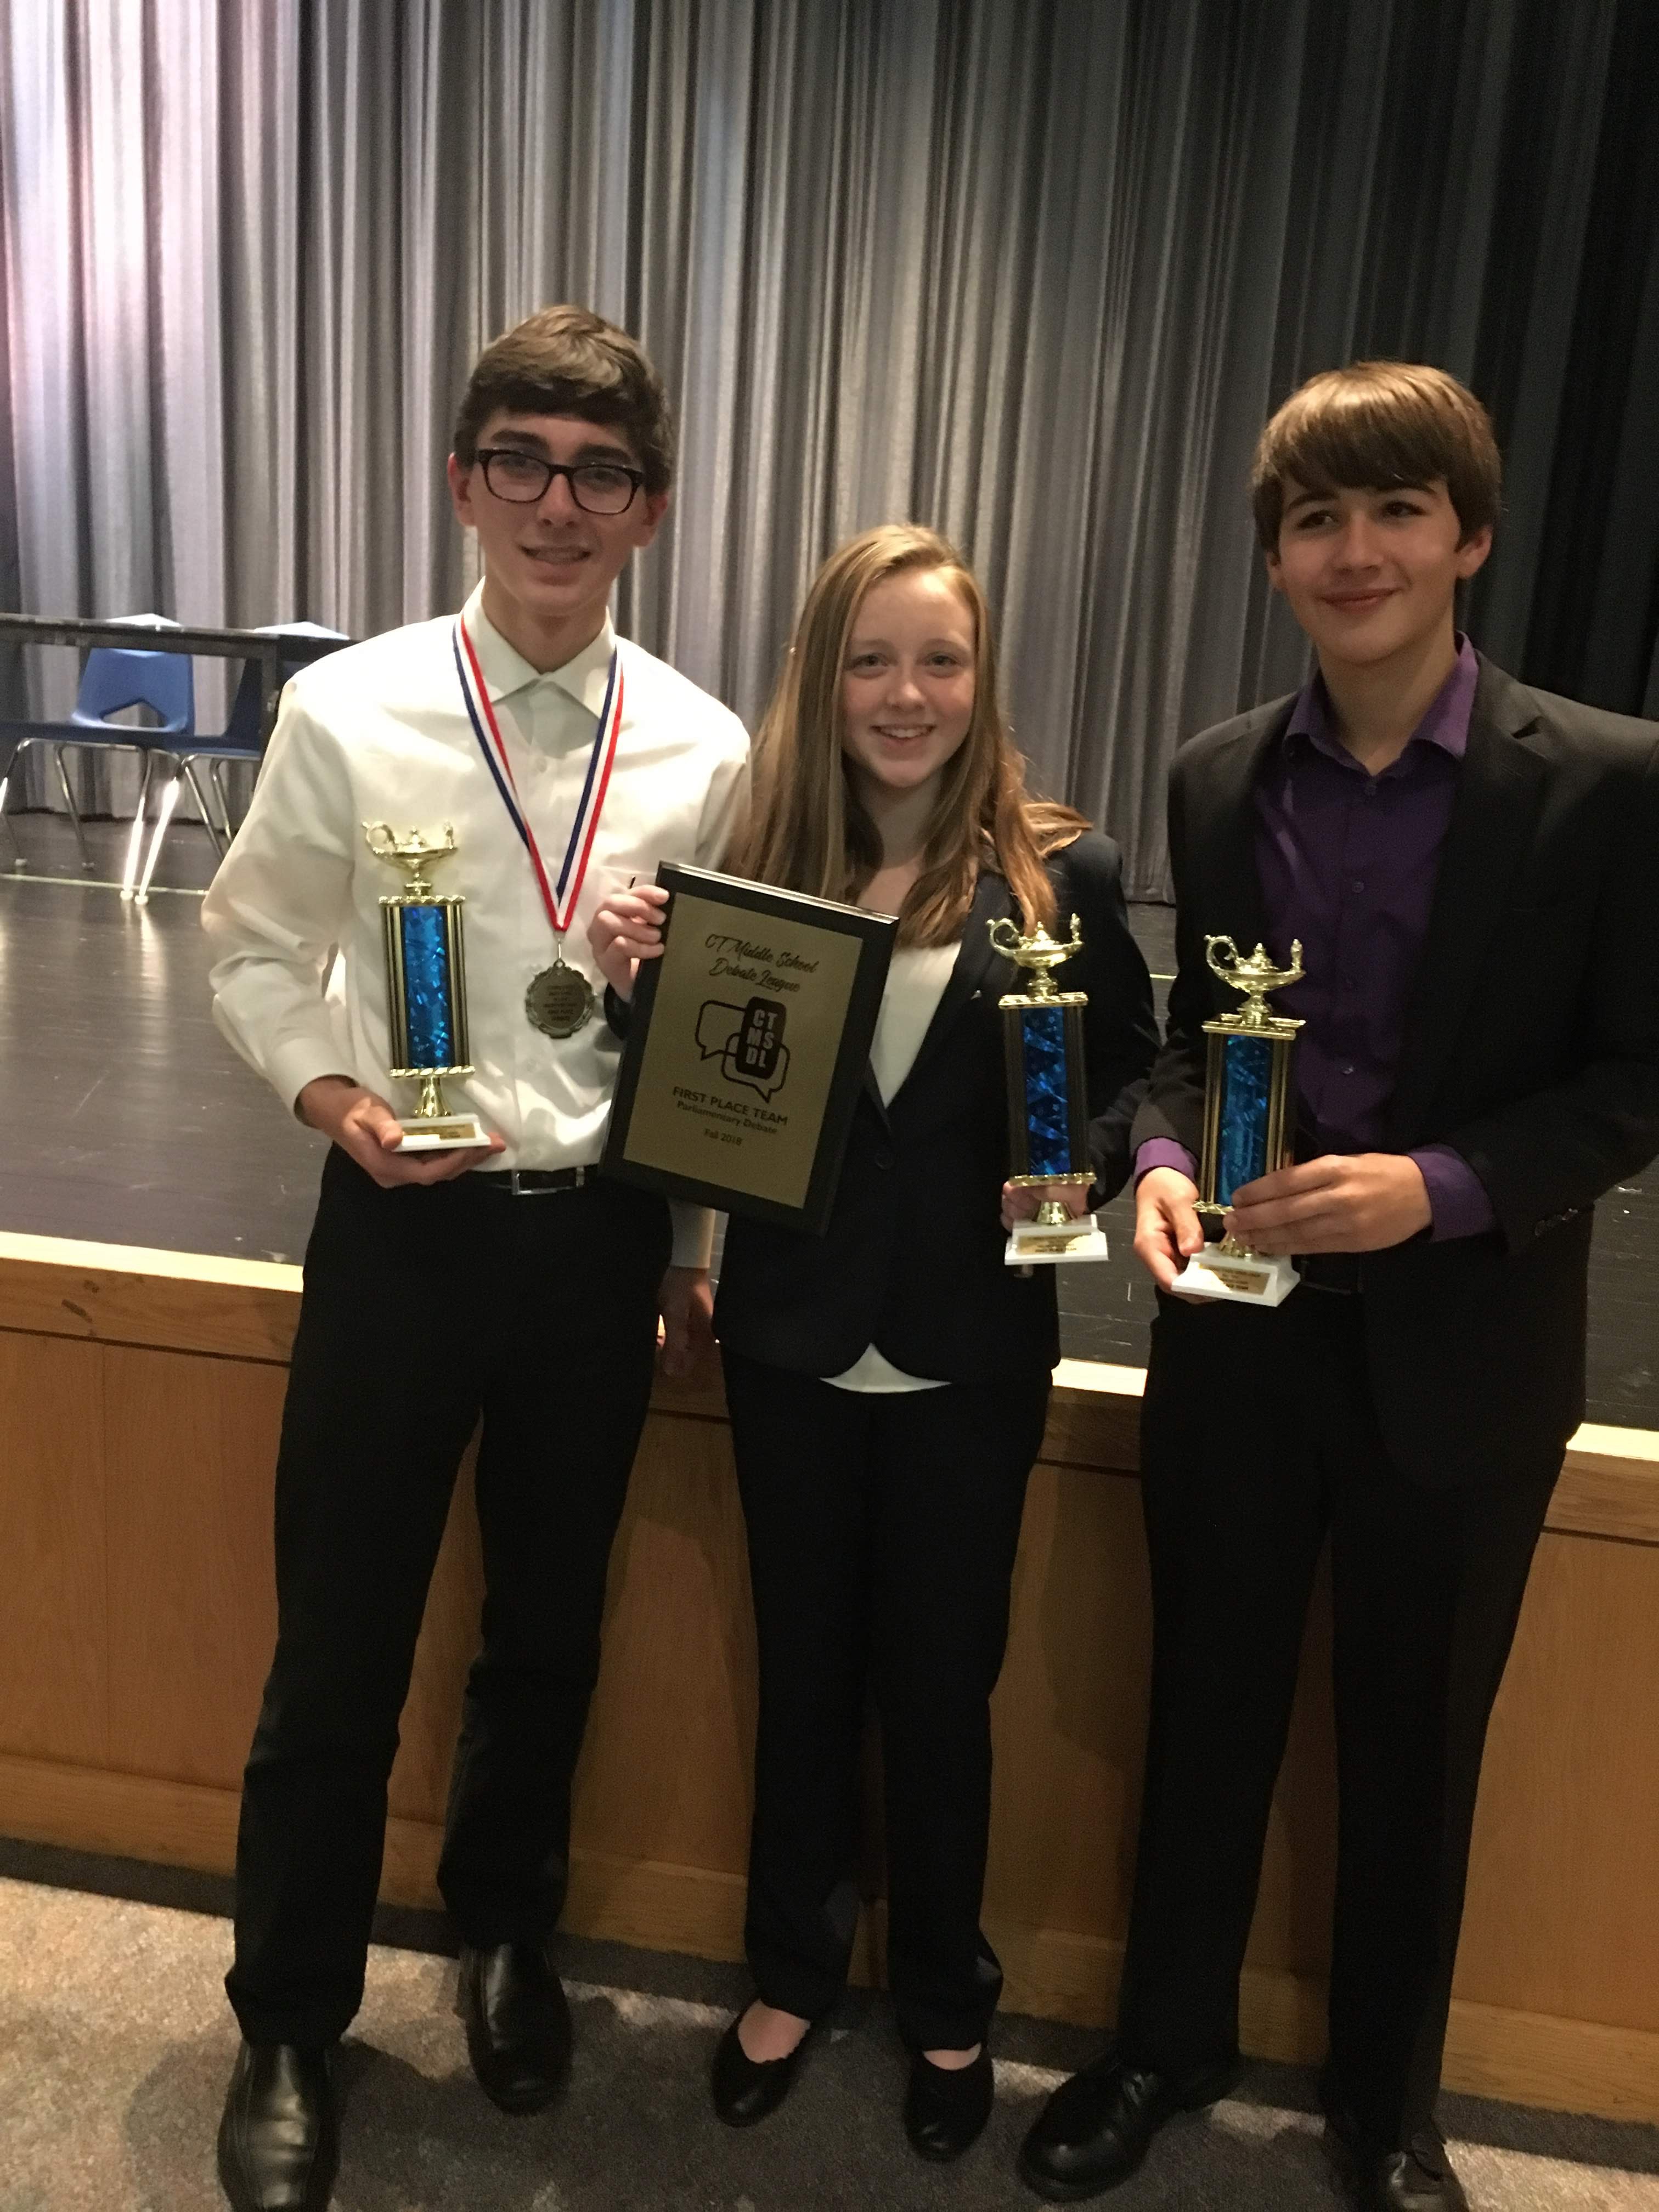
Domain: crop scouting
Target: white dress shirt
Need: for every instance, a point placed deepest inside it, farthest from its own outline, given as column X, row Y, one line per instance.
column 378, row 732
column 916, row 977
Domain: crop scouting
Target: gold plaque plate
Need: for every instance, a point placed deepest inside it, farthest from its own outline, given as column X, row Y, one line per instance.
column 749, row 1047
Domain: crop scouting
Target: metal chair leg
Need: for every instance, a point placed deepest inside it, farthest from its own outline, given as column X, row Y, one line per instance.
column 220, row 844
column 20, row 860
column 17, row 859
column 68, row 801
column 163, row 816
column 218, row 771
column 136, row 842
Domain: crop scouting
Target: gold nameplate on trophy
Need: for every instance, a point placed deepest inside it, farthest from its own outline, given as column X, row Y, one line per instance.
column 747, row 1047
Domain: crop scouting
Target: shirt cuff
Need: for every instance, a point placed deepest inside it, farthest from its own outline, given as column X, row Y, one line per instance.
column 290, row 1067
column 1458, row 1203
column 1165, row 1152
column 694, row 1234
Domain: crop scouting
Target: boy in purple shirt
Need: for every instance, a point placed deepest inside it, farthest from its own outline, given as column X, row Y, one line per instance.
column 1463, row 859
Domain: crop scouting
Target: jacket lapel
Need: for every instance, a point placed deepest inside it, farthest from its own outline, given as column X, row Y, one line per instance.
column 1491, row 824
column 976, row 960
column 872, row 1093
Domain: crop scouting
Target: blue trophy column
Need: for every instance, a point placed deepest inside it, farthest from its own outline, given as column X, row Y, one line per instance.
column 426, row 986
column 1247, row 1075
column 1048, row 1105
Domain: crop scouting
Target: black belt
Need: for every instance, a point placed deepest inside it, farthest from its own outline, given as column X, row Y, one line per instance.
column 1335, row 1271
column 533, row 1182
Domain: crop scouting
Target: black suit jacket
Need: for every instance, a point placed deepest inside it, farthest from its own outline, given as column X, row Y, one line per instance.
column 1531, row 1047
column 912, row 1260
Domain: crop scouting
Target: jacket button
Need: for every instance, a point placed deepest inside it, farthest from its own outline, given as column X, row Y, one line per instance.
column 883, row 1157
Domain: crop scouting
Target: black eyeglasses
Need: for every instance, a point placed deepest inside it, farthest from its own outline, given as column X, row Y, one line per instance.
column 598, row 486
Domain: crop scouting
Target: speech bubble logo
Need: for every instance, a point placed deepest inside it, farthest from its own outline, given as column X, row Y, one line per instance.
column 747, row 1042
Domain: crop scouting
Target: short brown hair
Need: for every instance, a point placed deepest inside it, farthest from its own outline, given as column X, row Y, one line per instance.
column 1374, row 424
column 808, row 830
column 566, row 360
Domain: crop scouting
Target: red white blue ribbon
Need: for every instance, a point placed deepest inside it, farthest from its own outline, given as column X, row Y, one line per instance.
column 559, row 898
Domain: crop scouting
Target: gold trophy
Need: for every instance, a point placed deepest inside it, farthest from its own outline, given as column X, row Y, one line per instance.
column 1249, row 1115
column 426, row 987
column 1048, row 1105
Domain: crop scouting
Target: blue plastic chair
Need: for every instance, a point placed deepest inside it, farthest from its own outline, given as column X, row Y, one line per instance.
column 115, row 678
column 242, row 739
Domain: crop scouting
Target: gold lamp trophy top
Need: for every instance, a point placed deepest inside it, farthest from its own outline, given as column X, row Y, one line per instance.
column 416, row 851
column 1255, row 974
column 1038, row 954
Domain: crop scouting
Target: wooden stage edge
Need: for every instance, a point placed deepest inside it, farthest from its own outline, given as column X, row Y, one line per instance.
column 139, row 1393
column 245, row 1310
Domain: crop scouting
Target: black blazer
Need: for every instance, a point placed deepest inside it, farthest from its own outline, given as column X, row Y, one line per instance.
column 1531, row 1047
column 912, row 1260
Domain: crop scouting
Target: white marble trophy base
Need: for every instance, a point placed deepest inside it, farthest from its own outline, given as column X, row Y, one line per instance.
column 1031, row 1245
column 454, row 1132
column 1245, row 1278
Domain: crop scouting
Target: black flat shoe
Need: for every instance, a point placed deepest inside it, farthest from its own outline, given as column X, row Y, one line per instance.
column 1414, row 2177
column 1094, row 2130
column 518, row 2024
column 279, row 2142
column 945, row 2108
column 748, row 2089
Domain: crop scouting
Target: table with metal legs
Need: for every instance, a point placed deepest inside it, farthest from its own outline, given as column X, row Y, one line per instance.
column 271, row 650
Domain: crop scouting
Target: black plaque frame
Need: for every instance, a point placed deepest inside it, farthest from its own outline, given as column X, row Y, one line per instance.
column 874, row 933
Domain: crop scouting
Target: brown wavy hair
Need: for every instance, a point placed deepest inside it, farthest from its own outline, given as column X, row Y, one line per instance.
column 808, row 830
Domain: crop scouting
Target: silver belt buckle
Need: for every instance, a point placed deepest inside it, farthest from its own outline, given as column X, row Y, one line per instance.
column 519, row 1186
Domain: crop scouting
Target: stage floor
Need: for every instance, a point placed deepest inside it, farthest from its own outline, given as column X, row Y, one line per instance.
column 130, row 1120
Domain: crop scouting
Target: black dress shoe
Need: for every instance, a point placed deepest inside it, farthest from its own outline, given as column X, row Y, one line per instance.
column 1094, row 2130
column 278, row 2141
column 1416, row 2177
column 518, row 2024
column 945, row 2108
column 749, row 2089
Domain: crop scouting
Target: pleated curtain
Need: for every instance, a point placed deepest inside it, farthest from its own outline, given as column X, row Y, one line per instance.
column 1032, row 271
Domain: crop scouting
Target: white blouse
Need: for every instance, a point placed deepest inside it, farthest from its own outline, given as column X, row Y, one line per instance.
column 916, row 977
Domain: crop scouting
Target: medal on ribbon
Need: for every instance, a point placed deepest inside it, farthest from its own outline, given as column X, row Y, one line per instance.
column 560, row 999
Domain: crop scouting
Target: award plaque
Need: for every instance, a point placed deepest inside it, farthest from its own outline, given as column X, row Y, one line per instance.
column 1048, row 1104
column 748, row 1047
column 1249, row 1113
column 426, row 987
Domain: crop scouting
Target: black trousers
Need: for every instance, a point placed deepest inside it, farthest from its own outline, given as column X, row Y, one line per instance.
column 1259, row 1437
column 422, row 1309
column 882, row 1531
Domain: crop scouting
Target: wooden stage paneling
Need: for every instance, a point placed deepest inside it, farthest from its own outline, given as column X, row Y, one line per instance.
column 140, row 1393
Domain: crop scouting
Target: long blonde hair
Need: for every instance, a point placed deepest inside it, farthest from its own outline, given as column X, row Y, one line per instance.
column 808, row 830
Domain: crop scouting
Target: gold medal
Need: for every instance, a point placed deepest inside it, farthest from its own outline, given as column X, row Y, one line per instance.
column 560, row 1000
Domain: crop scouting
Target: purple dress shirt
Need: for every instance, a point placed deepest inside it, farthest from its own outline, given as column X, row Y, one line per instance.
column 1348, row 863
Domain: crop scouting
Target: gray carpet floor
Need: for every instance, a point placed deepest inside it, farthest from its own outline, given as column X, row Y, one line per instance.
column 115, row 2044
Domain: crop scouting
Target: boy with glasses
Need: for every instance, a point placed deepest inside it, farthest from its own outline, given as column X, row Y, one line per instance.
column 508, row 1283
column 1467, row 863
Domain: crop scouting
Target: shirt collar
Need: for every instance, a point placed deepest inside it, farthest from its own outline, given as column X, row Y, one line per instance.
column 506, row 671
column 1445, row 724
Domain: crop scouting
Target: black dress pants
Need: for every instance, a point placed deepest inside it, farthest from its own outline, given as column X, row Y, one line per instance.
column 882, row 1530
column 1259, row 1437
column 422, row 1309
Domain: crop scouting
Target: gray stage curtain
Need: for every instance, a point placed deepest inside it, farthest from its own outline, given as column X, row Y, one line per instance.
column 1031, row 270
